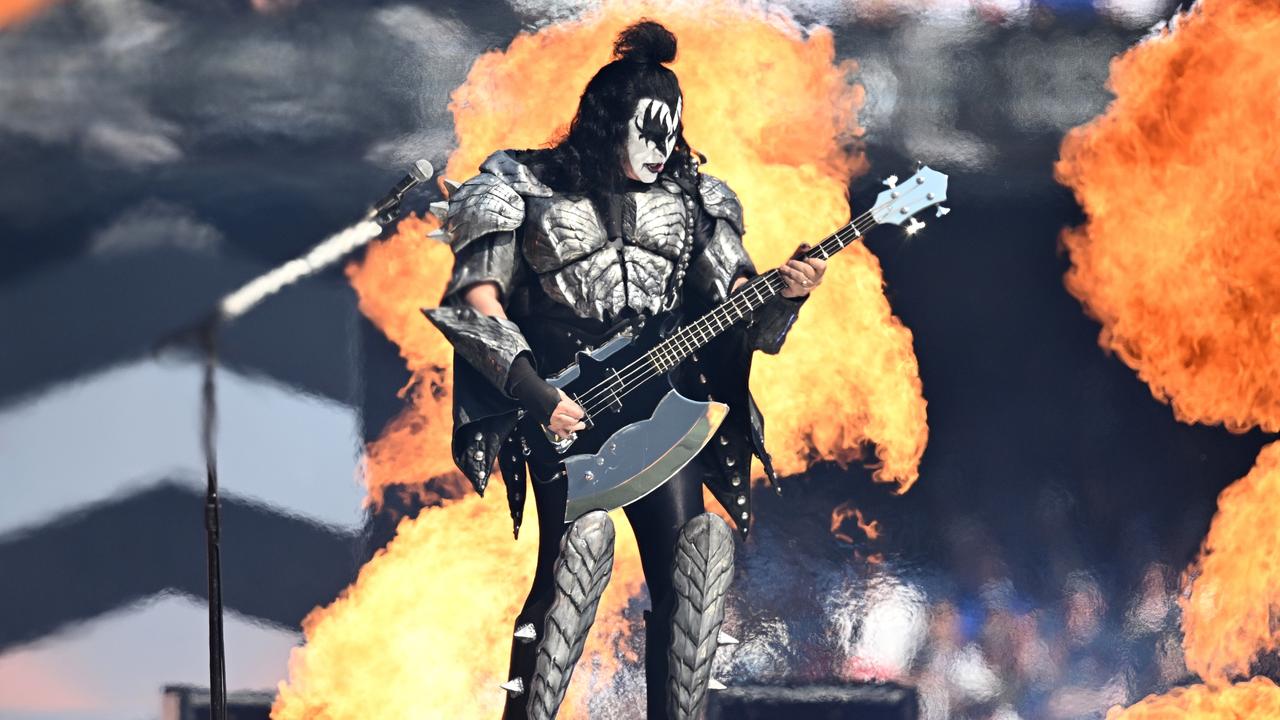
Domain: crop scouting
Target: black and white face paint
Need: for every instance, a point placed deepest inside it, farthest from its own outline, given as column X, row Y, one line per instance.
column 651, row 136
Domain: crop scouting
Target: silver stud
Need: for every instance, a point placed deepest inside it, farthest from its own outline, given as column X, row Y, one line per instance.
column 724, row 440
column 736, row 480
column 702, row 378
column 478, row 455
column 742, row 499
column 527, row 633
column 589, row 476
column 479, row 437
column 600, row 461
column 743, row 515
column 729, row 462
column 514, row 687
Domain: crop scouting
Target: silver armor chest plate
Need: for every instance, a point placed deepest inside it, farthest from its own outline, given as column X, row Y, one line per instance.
column 566, row 245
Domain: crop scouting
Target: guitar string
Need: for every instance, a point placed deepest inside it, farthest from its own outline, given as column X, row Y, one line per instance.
column 675, row 348
column 636, row 374
column 628, row 374
column 670, row 351
column 688, row 339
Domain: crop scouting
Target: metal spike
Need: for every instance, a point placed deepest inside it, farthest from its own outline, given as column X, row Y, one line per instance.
column 891, row 181
column 725, row 638
column 714, row 684
column 439, row 209
column 942, row 211
column 439, row 234
column 514, row 687
column 451, row 186
column 526, row 633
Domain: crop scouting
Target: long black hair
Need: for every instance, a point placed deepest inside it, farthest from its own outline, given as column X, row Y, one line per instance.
column 589, row 157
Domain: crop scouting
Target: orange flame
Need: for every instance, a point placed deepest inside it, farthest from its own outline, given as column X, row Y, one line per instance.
column 1178, row 262
column 1178, row 259
column 841, row 514
column 1257, row 698
column 1229, row 617
column 13, row 12
column 396, row 643
column 397, row 278
column 425, row 630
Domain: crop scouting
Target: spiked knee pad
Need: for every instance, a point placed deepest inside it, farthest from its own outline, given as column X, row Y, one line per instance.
column 580, row 575
column 702, row 571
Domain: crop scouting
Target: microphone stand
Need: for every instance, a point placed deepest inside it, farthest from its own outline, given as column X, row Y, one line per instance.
column 229, row 308
column 212, row 523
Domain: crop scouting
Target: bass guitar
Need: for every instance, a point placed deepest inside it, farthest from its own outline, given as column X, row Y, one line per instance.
column 641, row 430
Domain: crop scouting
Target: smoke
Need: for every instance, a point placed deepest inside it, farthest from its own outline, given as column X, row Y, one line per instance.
column 155, row 224
column 144, row 84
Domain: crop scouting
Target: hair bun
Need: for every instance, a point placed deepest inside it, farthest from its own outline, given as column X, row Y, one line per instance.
column 645, row 42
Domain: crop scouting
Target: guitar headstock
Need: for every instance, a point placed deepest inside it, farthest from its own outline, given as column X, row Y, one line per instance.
column 902, row 201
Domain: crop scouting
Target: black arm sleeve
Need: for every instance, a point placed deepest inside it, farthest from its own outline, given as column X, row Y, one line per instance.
column 536, row 396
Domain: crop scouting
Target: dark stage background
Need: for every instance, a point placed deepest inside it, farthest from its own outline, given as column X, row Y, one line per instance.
column 156, row 153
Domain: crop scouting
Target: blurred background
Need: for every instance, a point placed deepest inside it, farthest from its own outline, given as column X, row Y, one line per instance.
column 155, row 154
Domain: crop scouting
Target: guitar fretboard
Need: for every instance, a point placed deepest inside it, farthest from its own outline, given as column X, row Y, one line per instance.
column 748, row 298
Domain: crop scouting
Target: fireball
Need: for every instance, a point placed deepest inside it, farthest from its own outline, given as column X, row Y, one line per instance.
column 1180, row 262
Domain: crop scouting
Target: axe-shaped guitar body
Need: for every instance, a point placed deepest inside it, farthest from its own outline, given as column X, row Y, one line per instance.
column 628, row 449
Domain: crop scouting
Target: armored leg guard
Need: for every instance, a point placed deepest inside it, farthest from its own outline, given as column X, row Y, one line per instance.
column 580, row 575
column 702, row 571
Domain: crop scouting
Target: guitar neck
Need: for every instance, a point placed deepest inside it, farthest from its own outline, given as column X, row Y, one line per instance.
column 750, row 297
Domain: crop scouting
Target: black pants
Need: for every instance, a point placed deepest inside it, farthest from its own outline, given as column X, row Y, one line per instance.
column 656, row 520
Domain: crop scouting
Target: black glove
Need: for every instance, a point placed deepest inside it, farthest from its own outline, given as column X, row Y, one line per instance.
column 537, row 396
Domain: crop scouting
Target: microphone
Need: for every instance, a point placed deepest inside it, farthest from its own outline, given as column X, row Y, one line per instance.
column 388, row 208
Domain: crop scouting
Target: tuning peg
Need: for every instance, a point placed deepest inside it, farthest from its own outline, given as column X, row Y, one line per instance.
column 891, row 181
column 942, row 211
column 914, row 226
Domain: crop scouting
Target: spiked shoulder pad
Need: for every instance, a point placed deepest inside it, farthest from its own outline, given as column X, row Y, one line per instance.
column 719, row 201
column 482, row 205
column 514, row 173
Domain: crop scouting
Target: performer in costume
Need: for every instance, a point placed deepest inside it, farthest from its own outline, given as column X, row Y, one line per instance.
column 554, row 250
